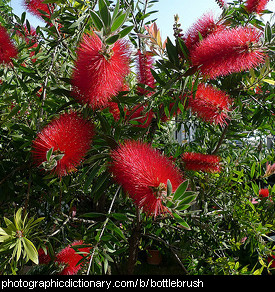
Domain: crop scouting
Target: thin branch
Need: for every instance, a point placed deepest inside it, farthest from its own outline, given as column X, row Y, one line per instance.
column 221, row 139
column 102, row 231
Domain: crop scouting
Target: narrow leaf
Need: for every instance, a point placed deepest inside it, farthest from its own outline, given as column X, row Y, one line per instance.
column 181, row 190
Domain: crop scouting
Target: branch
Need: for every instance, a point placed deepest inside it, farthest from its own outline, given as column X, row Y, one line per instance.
column 221, row 139
column 102, row 231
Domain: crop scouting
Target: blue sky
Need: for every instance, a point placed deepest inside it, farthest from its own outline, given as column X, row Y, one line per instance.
column 188, row 10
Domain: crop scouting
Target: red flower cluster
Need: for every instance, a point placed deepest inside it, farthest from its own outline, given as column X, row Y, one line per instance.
column 70, row 258
column 69, row 135
column 228, row 51
column 143, row 172
column 255, row 5
column 33, row 6
column 263, row 193
column 201, row 162
column 205, row 26
column 144, row 75
column 7, row 49
column 210, row 104
column 43, row 258
column 99, row 71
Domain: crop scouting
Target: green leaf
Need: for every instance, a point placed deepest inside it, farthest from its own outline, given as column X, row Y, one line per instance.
column 18, row 219
column 269, row 81
column 181, row 190
column 30, row 250
column 78, row 22
column 49, row 154
column 172, row 52
column 188, row 199
column 255, row 188
column 96, row 20
column 252, row 171
column 19, row 248
column 156, row 76
column 116, row 10
column 125, row 31
column 111, row 40
column 183, row 49
column 169, row 188
column 182, row 222
column 93, row 215
column 104, row 13
column 268, row 32
column 118, row 22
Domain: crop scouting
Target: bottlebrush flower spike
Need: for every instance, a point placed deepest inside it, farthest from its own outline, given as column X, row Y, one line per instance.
column 257, row 6
column 228, row 51
column 263, row 193
column 144, row 75
column 70, row 258
column 70, row 137
column 143, row 172
column 210, row 104
column 7, row 49
column 201, row 162
column 205, row 26
column 33, row 6
column 99, row 71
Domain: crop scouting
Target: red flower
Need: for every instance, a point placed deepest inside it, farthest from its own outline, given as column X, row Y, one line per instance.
column 70, row 258
column 205, row 26
column 228, row 51
column 33, row 6
column 263, row 193
column 255, row 5
column 43, row 258
column 99, row 71
column 201, row 162
column 69, row 135
column 144, row 75
column 7, row 49
column 271, row 259
column 210, row 104
column 143, row 172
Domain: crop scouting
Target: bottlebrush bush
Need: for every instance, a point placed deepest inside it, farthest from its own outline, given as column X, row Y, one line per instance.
column 114, row 140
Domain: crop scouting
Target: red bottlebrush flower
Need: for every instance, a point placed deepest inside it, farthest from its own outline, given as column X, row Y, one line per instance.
column 43, row 258
column 255, row 5
column 228, row 51
column 99, row 71
column 7, row 49
column 205, row 26
column 70, row 258
column 210, row 104
column 33, row 6
column 263, row 193
column 201, row 162
column 144, row 75
column 143, row 172
column 69, row 135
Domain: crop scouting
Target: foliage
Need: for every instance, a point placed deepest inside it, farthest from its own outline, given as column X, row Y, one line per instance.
column 216, row 224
